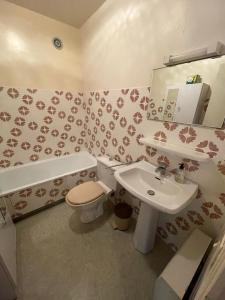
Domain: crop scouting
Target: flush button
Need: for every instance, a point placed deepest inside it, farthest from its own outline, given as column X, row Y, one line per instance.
column 151, row 193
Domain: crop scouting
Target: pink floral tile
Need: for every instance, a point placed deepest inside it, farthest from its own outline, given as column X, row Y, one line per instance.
column 37, row 124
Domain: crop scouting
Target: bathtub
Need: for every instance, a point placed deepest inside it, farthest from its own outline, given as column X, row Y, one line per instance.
column 14, row 179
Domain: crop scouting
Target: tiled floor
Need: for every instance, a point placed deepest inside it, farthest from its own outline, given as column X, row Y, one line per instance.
column 61, row 259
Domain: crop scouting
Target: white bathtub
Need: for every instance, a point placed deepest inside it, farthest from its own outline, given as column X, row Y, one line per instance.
column 14, row 179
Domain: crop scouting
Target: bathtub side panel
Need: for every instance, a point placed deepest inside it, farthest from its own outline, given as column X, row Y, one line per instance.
column 28, row 200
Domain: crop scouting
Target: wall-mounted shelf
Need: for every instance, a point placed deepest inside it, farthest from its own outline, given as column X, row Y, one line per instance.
column 179, row 150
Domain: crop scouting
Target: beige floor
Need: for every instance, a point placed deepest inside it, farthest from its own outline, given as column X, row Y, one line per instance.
column 61, row 259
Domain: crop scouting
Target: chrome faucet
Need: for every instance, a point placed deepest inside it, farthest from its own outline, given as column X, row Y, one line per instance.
column 161, row 169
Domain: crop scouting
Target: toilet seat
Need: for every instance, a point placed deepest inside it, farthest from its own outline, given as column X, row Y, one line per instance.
column 85, row 193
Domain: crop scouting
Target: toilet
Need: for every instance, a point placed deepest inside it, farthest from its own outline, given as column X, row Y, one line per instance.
column 88, row 197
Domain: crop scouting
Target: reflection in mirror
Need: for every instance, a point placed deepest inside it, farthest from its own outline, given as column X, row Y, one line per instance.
column 191, row 93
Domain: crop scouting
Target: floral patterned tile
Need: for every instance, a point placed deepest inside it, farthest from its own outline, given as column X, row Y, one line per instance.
column 37, row 124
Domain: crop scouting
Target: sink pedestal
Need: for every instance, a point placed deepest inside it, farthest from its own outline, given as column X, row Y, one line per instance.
column 145, row 231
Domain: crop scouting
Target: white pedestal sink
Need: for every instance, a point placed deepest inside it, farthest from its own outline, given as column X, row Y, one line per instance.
column 144, row 235
column 157, row 194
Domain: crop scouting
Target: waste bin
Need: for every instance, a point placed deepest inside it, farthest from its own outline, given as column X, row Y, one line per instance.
column 122, row 216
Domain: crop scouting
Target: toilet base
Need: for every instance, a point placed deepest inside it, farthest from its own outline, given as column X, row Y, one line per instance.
column 90, row 212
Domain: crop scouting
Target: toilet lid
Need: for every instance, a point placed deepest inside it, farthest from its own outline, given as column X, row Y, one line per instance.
column 85, row 192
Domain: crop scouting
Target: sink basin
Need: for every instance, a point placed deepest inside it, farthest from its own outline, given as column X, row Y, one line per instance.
column 165, row 194
column 156, row 194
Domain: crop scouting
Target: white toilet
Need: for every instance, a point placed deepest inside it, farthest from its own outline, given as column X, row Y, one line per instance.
column 89, row 196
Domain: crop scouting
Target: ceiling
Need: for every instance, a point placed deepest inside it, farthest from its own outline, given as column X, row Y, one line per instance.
column 72, row 12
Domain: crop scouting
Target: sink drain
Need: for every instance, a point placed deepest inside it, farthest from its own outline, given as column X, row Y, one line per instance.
column 151, row 193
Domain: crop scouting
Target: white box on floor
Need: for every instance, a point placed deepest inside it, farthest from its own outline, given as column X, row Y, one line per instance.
column 176, row 277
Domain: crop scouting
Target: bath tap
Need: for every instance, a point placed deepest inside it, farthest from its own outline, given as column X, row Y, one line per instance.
column 122, row 163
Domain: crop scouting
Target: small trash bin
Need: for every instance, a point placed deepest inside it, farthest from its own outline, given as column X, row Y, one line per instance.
column 122, row 216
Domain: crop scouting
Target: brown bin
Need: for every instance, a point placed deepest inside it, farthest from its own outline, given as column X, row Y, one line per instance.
column 122, row 216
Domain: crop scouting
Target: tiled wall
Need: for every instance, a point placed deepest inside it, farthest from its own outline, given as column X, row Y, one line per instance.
column 38, row 124
column 33, row 121
column 116, row 121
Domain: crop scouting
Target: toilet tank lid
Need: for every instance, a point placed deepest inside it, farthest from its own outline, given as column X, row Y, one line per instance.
column 107, row 161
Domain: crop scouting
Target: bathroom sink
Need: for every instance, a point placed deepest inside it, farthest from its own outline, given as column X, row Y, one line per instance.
column 163, row 193
column 156, row 194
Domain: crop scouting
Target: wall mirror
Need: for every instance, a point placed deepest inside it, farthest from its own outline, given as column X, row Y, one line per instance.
column 190, row 93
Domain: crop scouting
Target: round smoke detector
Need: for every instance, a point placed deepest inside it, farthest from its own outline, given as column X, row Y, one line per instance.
column 57, row 42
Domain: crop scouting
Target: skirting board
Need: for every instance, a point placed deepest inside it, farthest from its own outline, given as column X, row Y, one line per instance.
column 38, row 210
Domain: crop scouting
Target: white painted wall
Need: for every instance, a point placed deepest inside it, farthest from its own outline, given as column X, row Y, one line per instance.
column 124, row 40
column 121, row 42
column 28, row 58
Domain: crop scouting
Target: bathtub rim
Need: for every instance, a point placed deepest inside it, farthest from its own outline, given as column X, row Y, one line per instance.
column 93, row 164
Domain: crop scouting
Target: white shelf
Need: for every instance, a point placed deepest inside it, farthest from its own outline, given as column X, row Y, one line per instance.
column 179, row 150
